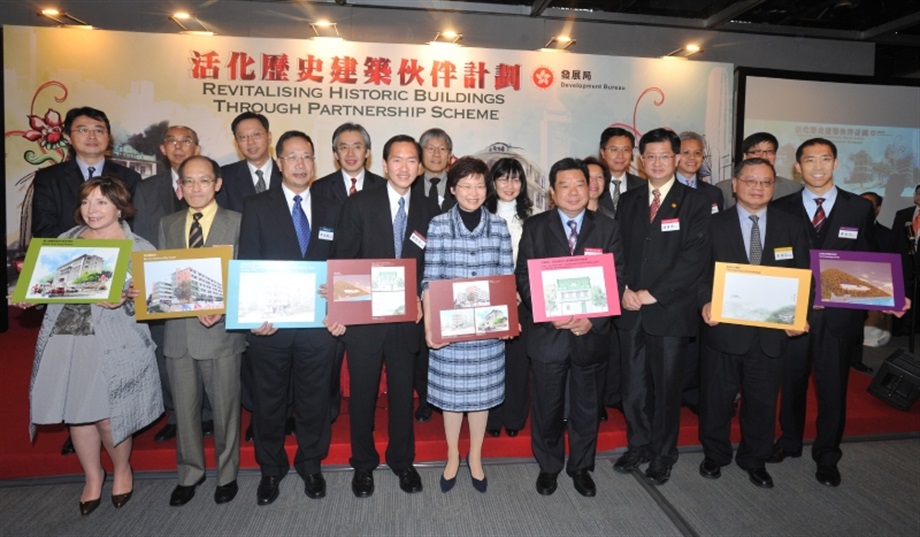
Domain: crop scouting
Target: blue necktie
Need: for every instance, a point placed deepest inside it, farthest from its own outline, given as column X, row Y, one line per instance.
column 301, row 225
column 399, row 228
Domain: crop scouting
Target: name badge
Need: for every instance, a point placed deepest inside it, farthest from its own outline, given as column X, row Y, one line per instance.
column 715, row 208
column 671, row 224
column 848, row 233
column 326, row 234
column 418, row 239
column 782, row 253
column 593, row 251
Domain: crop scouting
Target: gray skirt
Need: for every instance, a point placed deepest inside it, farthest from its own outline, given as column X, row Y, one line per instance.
column 69, row 385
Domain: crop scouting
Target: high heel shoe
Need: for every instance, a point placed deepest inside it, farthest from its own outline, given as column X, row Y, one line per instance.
column 447, row 484
column 119, row 500
column 478, row 484
column 89, row 506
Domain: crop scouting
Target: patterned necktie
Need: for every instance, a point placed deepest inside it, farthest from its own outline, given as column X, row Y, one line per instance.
column 433, row 190
column 691, row 183
column 179, row 190
column 916, row 224
column 399, row 227
column 354, row 186
column 615, row 192
column 195, row 233
column 656, row 204
column 756, row 247
column 573, row 235
column 820, row 217
column 301, row 225
column 260, row 184
column 89, row 172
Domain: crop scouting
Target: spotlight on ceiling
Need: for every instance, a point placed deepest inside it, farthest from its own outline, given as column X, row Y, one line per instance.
column 683, row 53
column 447, row 37
column 185, row 20
column 64, row 19
column 558, row 43
column 325, row 30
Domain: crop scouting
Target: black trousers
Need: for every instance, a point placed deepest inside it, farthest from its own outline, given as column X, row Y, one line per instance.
column 652, row 382
column 759, row 377
column 306, row 364
column 364, row 371
column 829, row 356
column 613, row 395
column 548, row 432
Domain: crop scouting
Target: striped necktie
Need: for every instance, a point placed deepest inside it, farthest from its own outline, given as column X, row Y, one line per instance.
column 195, row 233
column 656, row 204
column 820, row 217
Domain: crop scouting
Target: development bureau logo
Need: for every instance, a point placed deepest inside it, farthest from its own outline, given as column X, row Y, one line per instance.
column 543, row 77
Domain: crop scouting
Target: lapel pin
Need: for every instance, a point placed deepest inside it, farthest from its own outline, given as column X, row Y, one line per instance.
column 673, row 205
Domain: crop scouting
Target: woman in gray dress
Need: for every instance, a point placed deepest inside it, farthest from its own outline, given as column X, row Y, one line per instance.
column 94, row 366
column 465, row 377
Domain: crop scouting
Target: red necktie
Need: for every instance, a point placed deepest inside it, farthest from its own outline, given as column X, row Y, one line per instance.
column 354, row 186
column 656, row 204
column 820, row 217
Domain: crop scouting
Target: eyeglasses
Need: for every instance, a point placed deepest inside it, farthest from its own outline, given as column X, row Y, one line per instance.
column 761, row 152
column 86, row 131
column 206, row 182
column 297, row 158
column 345, row 148
column 433, row 149
column 657, row 158
column 508, row 180
column 617, row 149
column 253, row 137
column 176, row 142
column 751, row 183
column 688, row 153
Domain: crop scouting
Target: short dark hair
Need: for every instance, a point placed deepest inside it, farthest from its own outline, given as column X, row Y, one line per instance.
column 509, row 167
column 214, row 165
column 287, row 136
column 89, row 112
column 350, row 127
column 401, row 138
column 566, row 164
column 435, row 133
column 112, row 188
column 248, row 115
column 756, row 161
column 758, row 138
column 916, row 189
column 611, row 132
column 659, row 135
column 464, row 167
column 814, row 141
column 878, row 199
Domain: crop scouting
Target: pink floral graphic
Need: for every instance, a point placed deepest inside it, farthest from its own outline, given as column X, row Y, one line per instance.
column 47, row 131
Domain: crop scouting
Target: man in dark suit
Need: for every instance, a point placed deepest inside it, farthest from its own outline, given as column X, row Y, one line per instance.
column 692, row 153
column 665, row 228
column 905, row 232
column 202, row 357
column 351, row 147
column 154, row 198
column 734, row 355
column 289, row 223
column 437, row 154
column 760, row 145
column 366, row 231
column 616, row 151
column 571, row 351
column 257, row 171
column 834, row 219
column 55, row 188
column 884, row 236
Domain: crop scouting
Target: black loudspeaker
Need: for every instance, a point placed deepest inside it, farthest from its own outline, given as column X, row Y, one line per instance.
column 898, row 380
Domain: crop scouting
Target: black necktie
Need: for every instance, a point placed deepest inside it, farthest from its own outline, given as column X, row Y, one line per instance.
column 433, row 191
column 89, row 172
column 195, row 233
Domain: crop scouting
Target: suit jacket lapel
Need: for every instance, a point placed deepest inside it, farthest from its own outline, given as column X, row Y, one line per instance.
column 670, row 204
column 557, row 231
column 287, row 233
column 587, row 227
column 736, row 238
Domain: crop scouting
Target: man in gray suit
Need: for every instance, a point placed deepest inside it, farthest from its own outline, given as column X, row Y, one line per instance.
column 154, row 198
column 201, row 355
column 760, row 145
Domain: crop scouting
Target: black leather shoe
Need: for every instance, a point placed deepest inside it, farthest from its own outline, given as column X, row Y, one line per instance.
column 779, row 455
column 629, row 461
column 511, row 432
column 268, row 489
column 89, row 506
column 226, row 493
column 315, row 486
column 289, row 426
column 761, row 478
column 119, row 500
column 423, row 414
column 68, row 449
column 583, row 483
column 362, row 484
column 658, row 473
column 181, row 495
column 861, row 367
column 207, row 428
column 828, row 474
column 710, row 469
column 603, row 414
column 447, row 484
column 409, row 480
column 494, row 433
column 249, row 433
column 168, row 432
column 546, row 483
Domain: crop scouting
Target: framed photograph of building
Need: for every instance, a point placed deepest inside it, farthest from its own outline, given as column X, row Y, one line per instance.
column 372, row 291
column 283, row 293
column 473, row 308
column 858, row 280
column 573, row 286
column 757, row 295
column 73, row 271
column 182, row 282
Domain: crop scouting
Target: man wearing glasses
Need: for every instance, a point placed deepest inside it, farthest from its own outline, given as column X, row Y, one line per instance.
column 761, row 145
column 437, row 154
column 616, row 151
column 290, row 223
column 256, row 172
column 665, row 229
